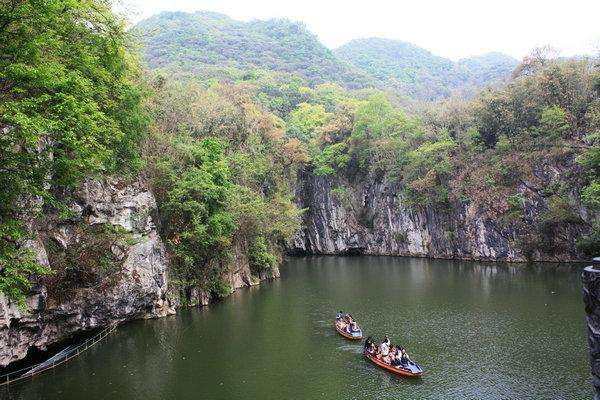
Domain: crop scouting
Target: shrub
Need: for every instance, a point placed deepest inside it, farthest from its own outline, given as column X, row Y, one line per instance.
column 260, row 257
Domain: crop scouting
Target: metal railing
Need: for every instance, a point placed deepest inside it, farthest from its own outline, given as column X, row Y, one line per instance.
column 32, row 370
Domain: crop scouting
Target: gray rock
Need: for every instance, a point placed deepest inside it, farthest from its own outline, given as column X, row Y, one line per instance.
column 371, row 217
column 140, row 290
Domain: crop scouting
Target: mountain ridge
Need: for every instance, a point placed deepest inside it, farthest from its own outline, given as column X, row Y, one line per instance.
column 419, row 72
column 212, row 44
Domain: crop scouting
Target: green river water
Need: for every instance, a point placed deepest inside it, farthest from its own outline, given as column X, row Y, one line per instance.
column 480, row 331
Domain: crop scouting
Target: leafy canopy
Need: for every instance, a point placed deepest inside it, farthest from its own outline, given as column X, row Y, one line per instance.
column 69, row 106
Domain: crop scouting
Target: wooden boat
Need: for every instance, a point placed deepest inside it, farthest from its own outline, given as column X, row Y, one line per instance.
column 348, row 335
column 411, row 370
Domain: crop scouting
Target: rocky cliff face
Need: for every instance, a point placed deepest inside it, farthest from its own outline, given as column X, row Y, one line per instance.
column 366, row 214
column 135, row 288
column 117, row 270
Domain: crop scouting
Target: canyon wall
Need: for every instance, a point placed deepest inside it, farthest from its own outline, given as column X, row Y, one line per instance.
column 366, row 214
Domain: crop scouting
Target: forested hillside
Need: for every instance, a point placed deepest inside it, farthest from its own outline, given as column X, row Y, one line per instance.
column 221, row 152
column 205, row 44
column 420, row 74
column 210, row 44
column 524, row 158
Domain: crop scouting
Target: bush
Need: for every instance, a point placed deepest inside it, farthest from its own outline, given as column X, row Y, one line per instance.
column 260, row 258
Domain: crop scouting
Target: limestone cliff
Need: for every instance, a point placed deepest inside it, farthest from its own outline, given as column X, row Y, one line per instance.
column 366, row 214
column 110, row 265
column 135, row 288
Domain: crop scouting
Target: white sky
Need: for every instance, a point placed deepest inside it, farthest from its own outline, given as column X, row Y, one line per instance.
column 451, row 28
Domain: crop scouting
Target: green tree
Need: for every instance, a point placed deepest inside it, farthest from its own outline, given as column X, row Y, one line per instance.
column 198, row 225
column 553, row 123
column 70, row 106
column 305, row 119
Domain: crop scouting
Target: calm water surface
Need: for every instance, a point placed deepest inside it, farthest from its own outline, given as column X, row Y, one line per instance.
column 480, row 330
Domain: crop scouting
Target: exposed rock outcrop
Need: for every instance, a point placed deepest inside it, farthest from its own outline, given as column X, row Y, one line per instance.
column 137, row 288
column 367, row 215
column 133, row 285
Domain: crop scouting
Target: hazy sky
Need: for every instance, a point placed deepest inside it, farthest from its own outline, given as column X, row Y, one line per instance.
column 452, row 28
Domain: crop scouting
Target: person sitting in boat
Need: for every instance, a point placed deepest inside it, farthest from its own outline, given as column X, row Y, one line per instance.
column 391, row 355
column 339, row 316
column 396, row 358
column 386, row 339
column 350, row 324
column 370, row 347
column 384, row 348
column 404, row 358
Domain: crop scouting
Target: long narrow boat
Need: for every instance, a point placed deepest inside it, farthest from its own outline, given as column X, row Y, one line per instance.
column 350, row 336
column 411, row 370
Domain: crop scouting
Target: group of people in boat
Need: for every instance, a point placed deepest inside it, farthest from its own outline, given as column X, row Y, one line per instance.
column 393, row 355
column 346, row 323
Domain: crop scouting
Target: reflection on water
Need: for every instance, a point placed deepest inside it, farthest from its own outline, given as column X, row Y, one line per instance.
column 480, row 330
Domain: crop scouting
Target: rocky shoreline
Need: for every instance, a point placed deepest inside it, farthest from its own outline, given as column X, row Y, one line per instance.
column 368, row 217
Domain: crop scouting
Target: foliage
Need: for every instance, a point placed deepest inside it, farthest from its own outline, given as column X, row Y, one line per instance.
column 17, row 263
column 260, row 257
column 207, row 45
column 590, row 244
column 426, row 171
column 331, row 158
column 70, row 105
column 553, row 122
column 304, row 120
column 420, row 74
column 197, row 225
column 200, row 41
column 220, row 167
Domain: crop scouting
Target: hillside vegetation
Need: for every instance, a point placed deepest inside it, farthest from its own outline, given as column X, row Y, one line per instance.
column 420, row 74
column 211, row 44
column 221, row 152
column 205, row 44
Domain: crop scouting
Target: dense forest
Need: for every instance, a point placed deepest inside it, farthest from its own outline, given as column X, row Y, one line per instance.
column 221, row 115
column 420, row 74
column 207, row 44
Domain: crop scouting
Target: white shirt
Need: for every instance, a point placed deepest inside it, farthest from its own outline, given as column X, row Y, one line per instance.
column 385, row 350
